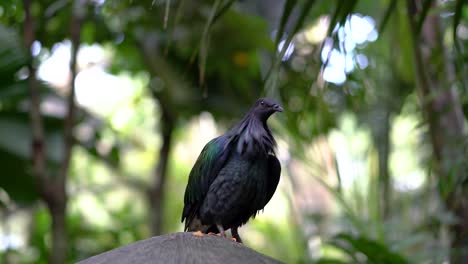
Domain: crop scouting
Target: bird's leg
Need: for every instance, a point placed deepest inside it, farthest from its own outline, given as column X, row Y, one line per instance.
column 235, row 234
column 221, row 230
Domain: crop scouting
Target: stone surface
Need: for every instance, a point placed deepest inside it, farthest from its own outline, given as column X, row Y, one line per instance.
column 181, row 248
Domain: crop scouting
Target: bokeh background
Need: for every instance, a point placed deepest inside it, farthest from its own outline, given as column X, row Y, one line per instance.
column 106, row 104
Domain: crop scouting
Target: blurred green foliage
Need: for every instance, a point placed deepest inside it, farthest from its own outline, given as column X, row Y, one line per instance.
column 359, row 184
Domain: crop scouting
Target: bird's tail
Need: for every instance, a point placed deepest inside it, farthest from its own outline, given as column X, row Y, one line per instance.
column 194, row 224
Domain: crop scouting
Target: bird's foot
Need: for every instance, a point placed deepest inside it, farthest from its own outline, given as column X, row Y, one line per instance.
column 198, row 234
column 211, row 233
column 233, row 239
column 235, row 234
column 221, row 230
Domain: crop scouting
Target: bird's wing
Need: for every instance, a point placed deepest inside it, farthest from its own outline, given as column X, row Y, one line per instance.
column 210, row 161
column 273, row 177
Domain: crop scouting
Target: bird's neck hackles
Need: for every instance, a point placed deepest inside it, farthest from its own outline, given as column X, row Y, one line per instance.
column 252, row 136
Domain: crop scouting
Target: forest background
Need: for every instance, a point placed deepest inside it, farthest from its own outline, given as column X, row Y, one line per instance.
column 106, row 104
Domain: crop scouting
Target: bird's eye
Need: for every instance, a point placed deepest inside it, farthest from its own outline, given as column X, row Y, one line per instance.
column 262, row 103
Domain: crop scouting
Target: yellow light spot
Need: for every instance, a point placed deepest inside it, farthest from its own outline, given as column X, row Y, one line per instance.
column 240, row 58
column 318, row 31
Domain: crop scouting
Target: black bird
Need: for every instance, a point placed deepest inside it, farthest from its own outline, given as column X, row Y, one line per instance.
column 235, row 175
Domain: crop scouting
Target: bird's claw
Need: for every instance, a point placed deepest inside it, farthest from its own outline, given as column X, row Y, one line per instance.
column 198, row 234
column 211, row 233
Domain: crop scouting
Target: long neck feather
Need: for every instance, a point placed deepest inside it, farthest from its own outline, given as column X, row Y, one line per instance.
column 251, row 136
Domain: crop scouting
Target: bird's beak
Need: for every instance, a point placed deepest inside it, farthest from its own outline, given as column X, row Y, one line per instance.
column 278, row 108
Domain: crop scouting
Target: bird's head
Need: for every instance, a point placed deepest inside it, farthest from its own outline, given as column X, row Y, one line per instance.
column 265, row 107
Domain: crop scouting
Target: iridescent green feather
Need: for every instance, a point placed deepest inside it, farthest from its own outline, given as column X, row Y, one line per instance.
column 205, row 170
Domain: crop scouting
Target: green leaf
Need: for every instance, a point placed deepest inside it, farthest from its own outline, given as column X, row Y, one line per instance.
column 288, row 7
column 304, row 12
column 425, row 10
column 205, row 40
column 223, row 10
column 178, row 15
column 19, row 142
column 374, row 251
column 347, row 10
column 16, row 178
column 12, row 94
column 12, row 55
column 456, row 20
column 388, row 12
column 330, row 261
column 166, row 13
column 271, row 82
column 343, row 9
column 334, row 18
column 114, row 155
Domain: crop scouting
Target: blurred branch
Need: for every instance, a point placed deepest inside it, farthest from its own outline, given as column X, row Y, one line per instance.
column 271, row 78
column 425, row 10
column 456, row 21
column 156, row 192
column 381, row 136
column 205, row 40
column 202, row 48
column 288, row 7
column 222, row 10
column 54, row 8
column 71, row 108
column 177, row 17
column 162, row 69
column 390, row 10
column 343, row 9
column 445, row 117
column 166, row 13
column 58, row 206
column 37, row 127
column 48, row 190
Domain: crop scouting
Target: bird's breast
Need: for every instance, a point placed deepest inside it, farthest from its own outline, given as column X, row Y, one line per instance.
column 248, row 172
column 237, row 192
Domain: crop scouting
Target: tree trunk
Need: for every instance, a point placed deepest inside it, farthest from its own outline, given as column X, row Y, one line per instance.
column 446, row 122
column 157, row 191
column 58, row 253
column 51, row 190
column 383, row 149
column 59, row 198
column 150, row 55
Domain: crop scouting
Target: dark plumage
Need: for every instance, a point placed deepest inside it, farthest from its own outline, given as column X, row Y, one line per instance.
column 235, row 175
